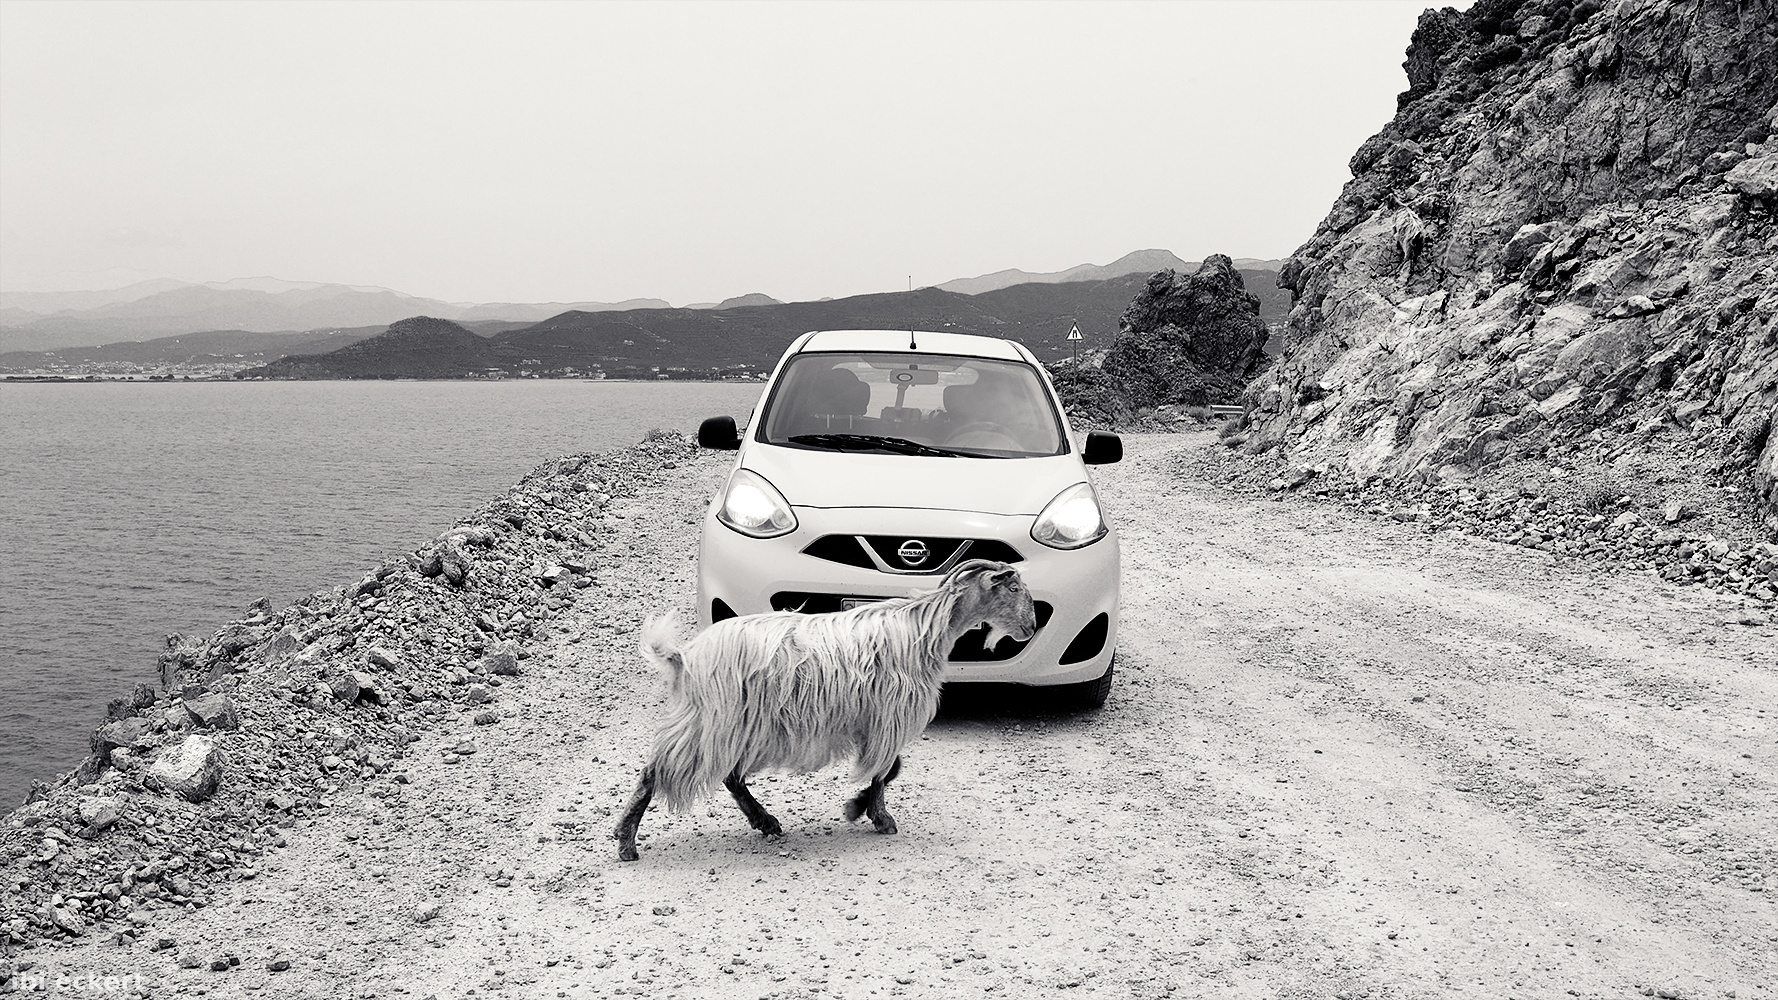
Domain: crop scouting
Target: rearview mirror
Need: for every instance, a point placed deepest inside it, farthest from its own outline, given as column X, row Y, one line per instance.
column 1102, row 448
column 719, row 433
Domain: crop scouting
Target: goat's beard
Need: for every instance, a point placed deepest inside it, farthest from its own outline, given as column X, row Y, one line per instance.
column 995, row 634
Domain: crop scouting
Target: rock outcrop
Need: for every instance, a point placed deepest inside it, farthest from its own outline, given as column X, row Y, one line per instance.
column 1562, row 245
column 1188, row 340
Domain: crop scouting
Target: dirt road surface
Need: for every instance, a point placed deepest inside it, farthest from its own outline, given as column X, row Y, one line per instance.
column 1343, row 758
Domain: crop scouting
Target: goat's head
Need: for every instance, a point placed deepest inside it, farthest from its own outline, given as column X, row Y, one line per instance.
column 991, row 592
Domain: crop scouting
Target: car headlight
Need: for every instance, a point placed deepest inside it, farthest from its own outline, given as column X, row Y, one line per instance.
column 754, row 507
column 1072, row 520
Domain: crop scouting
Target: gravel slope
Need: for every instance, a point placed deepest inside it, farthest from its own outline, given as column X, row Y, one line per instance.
column 1344, row 758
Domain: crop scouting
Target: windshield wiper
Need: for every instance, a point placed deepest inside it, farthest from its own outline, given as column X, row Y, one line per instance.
column 872, row 442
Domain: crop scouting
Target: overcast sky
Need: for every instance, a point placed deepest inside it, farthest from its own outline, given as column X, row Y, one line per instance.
column 555, row 152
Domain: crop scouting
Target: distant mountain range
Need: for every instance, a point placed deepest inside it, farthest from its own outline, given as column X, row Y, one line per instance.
column 1138, row 262
column 750, row 299
column 702, row 343
column 41, row 321
column 163, row 307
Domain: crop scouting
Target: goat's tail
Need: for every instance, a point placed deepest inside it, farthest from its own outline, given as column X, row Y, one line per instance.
column 660, row 646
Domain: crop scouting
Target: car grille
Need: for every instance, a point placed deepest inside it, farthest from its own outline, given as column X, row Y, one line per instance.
column 908, row 554
column 969, row 648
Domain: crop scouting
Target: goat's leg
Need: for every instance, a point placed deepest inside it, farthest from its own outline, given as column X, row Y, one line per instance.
column 756, row 814
column 869, row 802
column 632, row 817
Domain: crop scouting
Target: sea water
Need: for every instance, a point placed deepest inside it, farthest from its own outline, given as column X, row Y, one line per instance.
column 132, row 510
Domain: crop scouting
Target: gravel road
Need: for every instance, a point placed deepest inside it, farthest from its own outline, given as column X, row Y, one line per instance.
column 1344, row 758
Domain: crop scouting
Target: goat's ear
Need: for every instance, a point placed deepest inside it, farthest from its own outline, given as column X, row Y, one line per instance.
column 1000, row 577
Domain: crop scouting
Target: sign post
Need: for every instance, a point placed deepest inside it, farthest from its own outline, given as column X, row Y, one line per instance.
column 1074, row 341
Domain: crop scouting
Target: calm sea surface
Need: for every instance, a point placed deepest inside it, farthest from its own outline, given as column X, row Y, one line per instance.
column 133, row 509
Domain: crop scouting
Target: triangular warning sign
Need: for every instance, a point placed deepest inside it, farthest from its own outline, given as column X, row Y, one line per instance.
column 1074, row 332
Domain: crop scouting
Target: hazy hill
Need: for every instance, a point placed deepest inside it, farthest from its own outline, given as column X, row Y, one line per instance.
column 40, row 321
column 750, row 299
column 166, row 307
column 1139, row 262
column 707, row 341
column 36, row 305
column 418, row 347
column 240, row 347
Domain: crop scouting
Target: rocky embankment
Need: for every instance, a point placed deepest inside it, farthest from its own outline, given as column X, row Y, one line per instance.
column 265, row 723
column 1563, row 247
column 1185, row 340
column 1570, row 511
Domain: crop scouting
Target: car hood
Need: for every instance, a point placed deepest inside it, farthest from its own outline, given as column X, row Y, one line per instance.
column 810, row 478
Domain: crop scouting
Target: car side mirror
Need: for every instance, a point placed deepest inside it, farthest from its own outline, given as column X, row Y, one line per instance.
column 720, row 433
column 1102, row 448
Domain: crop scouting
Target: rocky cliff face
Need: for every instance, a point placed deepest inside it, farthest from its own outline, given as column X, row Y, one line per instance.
column 1563, row 246
column 1185, row 340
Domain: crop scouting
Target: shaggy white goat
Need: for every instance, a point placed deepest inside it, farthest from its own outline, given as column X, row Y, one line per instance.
column 797, row 692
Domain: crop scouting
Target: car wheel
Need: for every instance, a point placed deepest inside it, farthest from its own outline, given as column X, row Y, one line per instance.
column 1090, row 695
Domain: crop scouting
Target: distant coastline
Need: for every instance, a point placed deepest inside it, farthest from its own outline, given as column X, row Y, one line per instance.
column 231, row 380
column 729, row 342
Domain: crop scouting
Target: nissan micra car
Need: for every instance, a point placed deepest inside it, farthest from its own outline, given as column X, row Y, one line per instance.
column 876, row 460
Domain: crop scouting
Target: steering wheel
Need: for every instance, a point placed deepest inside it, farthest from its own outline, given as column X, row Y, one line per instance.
column 982, row 434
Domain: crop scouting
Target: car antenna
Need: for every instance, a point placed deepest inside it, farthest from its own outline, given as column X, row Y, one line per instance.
column 911, row 345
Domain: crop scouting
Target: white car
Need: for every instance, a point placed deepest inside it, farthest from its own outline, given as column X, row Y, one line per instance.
column 876, row 460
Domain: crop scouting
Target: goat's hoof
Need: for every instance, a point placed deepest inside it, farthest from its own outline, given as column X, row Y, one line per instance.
column 886, row 826
column 854, row 809
column 626, row 852
column 769, row 827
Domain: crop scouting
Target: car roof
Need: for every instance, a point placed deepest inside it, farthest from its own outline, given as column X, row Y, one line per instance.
column 923, row 341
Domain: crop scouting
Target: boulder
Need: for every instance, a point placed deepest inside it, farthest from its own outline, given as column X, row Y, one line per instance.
column 1524, row 244
column 1756, row 178
column 99, row 813
column 65, row 919
column 503, row 661
column 124, row 733
column 369, row 688
column 178, row 661
column 454, row 563
column 1635, row 305
column 231, row 639
column 192, row 769
column 345, row 687
column 281, row 646
column 214, row 711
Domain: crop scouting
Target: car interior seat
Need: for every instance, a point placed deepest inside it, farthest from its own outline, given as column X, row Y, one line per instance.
column 833, row 400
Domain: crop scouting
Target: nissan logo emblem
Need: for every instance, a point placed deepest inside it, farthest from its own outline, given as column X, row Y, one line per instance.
column 913, row 552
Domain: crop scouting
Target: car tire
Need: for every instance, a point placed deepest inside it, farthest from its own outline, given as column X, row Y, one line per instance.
column 1091, row 695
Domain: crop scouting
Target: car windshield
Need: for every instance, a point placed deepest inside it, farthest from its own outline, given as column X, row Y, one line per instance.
column 913, row 404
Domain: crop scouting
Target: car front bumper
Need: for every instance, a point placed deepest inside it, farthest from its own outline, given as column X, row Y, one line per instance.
column 1079, row 585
